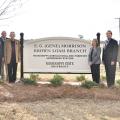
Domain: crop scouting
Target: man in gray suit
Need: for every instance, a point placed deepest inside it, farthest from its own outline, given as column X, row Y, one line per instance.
column 110, row 52
column 2, row 41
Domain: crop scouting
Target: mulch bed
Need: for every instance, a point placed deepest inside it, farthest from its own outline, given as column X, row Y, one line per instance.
column 30, row 93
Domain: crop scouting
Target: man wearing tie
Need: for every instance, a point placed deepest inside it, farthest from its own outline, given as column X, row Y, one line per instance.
column 12, row 56
column 109, row 58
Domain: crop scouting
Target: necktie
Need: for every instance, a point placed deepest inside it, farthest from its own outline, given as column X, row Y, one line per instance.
column 106, row 43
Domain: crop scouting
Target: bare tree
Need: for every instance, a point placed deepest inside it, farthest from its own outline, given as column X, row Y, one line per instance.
column 8, row 8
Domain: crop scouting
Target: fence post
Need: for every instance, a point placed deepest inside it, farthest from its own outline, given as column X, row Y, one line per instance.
column 98, row 38
column 21, row 49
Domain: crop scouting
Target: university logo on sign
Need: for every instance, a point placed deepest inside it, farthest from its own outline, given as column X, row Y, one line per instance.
column 56, row 55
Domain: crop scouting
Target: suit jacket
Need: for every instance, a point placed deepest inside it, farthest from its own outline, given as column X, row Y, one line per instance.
column 110, row 52
column 8, row 51
column 119, row 53
column 1, row 47
column 95, row 55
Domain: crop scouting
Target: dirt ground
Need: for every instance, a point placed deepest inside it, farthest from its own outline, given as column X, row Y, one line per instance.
column 44, row 102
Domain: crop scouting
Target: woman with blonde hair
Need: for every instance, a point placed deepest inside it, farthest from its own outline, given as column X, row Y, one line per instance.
column 95, row 60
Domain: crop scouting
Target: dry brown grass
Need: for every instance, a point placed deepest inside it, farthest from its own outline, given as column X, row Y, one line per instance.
column 45, row 102
column 20, row 92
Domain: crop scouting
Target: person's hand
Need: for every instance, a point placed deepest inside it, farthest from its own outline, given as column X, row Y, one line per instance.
column 19, row 60
column 2, row 59
column 90, row 63
column 112, row 62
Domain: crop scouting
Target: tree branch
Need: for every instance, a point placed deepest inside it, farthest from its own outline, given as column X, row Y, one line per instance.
column 8, row 8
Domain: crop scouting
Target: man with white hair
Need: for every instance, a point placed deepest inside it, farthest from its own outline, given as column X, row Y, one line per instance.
column 12, row 56
column 2, row 41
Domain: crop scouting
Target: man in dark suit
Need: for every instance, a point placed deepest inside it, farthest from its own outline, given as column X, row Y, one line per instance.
column 110, row 52
column 2, row 39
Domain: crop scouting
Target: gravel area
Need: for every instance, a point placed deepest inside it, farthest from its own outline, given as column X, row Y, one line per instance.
column 45, row 102
column 61, row 109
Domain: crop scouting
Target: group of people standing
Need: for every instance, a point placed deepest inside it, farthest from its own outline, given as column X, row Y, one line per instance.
column 9, row 56
column 110, row 56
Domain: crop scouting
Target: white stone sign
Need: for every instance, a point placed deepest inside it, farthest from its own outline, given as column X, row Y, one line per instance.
column 56, row 55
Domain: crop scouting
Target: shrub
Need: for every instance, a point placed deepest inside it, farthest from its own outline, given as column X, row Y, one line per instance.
column 89, row 84
column 102, row 77
column 34, row 76
column 28, row 81
column 1, row 81
column 81, row 78
column 57, row 80
column 118, row 82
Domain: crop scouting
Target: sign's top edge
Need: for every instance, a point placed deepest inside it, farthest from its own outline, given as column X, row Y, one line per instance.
column 57, row 38
column 53, row 38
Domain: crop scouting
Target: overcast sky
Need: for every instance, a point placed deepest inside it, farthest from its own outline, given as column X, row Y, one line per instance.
column 46, row 18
